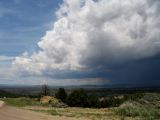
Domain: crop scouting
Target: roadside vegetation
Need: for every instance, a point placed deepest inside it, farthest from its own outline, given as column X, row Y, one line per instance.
column 146, row 108
column 78, row 103
column 21, row 102
column 84, row 113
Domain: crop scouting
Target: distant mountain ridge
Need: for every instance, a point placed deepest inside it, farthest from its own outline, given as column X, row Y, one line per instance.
column 84, row 86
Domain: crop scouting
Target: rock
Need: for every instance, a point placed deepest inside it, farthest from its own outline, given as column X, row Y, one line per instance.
column 45, row 99
column 52, row 102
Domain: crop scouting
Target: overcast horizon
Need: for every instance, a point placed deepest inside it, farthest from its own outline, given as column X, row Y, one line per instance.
column 80, row 42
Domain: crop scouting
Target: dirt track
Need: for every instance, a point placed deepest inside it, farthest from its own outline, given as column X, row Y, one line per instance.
column 12, row 113
column 1, row 104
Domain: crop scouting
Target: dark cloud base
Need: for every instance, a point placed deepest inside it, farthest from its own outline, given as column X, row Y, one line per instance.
column 140, row 72
column 144, row 72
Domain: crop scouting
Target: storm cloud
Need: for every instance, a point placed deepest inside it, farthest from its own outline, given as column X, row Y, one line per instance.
column 91, row 35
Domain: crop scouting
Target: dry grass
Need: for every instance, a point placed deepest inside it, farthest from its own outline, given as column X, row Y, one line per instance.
column 147, row 108
column 84, row 113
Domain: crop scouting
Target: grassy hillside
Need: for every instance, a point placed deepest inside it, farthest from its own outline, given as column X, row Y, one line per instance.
column 146, row 108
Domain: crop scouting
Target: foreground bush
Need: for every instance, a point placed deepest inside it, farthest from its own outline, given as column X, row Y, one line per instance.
column 143, row 108
column 145, row 113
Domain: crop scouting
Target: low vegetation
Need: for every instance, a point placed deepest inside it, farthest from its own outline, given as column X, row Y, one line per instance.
column 61, row 94
column 146, row 108
column 80, row 98
column 84, row 113
column 21, row 102
column 78, row 103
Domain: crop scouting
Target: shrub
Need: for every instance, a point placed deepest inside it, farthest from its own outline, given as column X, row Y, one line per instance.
column 135, row 109
column 61, row 94
column 110, row 102
column 78, row 98
column 93, row 101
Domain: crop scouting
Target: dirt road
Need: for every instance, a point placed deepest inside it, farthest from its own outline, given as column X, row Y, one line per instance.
column 12, row 113
column 1, row 104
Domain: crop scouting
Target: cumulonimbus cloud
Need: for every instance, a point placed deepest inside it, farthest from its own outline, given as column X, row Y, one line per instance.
column 89, row 34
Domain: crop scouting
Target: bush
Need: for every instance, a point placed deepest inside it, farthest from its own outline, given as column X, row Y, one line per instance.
column 61, row 94
column 135, row 109
column 134, row 97
column 110, row 102
column 93, row 101
column 78, row 98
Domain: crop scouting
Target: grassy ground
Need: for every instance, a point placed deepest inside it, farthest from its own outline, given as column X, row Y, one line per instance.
column 93, row 114
column 21, row 102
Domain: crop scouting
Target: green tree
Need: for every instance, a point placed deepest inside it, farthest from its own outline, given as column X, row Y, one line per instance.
column 93, row 101
column 78, row 98
column 61, row 94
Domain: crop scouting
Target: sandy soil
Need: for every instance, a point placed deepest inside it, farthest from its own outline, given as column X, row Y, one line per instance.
column 1, row 104
column 12, row 113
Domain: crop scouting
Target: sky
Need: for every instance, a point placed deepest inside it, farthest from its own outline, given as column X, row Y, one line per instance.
column 80, row 42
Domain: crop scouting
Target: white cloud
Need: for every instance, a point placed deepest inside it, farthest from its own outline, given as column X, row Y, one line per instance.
column 92, row 34
column 6, row 58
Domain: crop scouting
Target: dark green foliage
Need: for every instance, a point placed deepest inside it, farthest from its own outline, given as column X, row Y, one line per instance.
column 135, row 96
column 93, row 101
column 61, row 94
column 78, row 98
